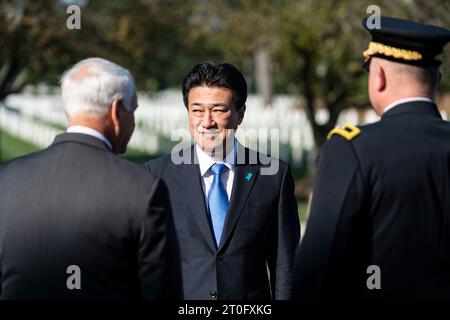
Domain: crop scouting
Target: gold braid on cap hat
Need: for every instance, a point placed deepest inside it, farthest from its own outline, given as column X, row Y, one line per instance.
column 379, row 48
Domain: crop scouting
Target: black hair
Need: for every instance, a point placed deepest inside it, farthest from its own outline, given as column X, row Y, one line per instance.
column 221, row 75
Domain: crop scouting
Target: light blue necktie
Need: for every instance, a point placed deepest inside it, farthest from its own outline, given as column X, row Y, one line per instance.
column 217, row 201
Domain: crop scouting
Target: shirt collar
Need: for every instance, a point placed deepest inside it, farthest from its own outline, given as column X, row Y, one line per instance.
column 89, row 132
column 205, row 161
column 398, row 102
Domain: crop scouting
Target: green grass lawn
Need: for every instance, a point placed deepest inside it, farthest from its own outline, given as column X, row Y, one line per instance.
column 12, row 147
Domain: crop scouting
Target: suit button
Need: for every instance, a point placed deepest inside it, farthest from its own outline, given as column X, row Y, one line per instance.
column 213, row 294
column 220, row 257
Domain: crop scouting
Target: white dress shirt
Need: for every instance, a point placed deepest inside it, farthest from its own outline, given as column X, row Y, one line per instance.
column 89, row 132
column 205, row 162
column 398, row 102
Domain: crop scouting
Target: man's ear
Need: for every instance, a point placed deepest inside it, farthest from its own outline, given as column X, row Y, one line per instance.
column 116, row 105
column 241, row 113
column 381, row 78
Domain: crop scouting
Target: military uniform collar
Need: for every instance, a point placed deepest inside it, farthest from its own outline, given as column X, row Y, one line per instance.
column 398, row 102
column 413, row 106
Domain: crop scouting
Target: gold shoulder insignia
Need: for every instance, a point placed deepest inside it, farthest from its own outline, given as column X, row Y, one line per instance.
column 347, row 131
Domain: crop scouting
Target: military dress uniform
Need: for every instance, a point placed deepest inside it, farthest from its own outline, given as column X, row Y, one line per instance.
column 379, row 223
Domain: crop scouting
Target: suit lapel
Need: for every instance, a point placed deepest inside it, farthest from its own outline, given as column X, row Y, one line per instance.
column 244, row 179
column 190, row 175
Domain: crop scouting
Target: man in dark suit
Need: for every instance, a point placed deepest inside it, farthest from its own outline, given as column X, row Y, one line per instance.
column 235, row 214
column 77, row 221
column 379, row 225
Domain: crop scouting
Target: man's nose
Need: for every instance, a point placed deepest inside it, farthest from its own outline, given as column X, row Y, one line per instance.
column 207, row 120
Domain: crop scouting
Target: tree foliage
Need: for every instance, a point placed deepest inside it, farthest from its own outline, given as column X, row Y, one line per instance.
column 315, row 45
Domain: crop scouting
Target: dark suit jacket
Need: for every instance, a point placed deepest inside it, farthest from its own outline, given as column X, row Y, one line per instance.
column 76, row 203
column 382, row 199
column 255, row 255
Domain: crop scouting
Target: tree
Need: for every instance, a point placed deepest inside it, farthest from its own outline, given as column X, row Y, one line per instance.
column 311, row 48
column 322, row 44
column 29, row 41
column 319, row 50
column 152, row 38
column 317, row 45
column 244, row 32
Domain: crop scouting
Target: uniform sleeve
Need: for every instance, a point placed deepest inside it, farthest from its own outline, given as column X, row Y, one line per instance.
column 286, row 239
column 325, row 260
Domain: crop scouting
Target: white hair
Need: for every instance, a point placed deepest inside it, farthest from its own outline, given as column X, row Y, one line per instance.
column 91, row 85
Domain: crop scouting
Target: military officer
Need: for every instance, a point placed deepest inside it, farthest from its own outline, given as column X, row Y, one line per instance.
column 379, row 223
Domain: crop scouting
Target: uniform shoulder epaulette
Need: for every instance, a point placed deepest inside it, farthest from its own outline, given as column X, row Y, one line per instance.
column 348, row 131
